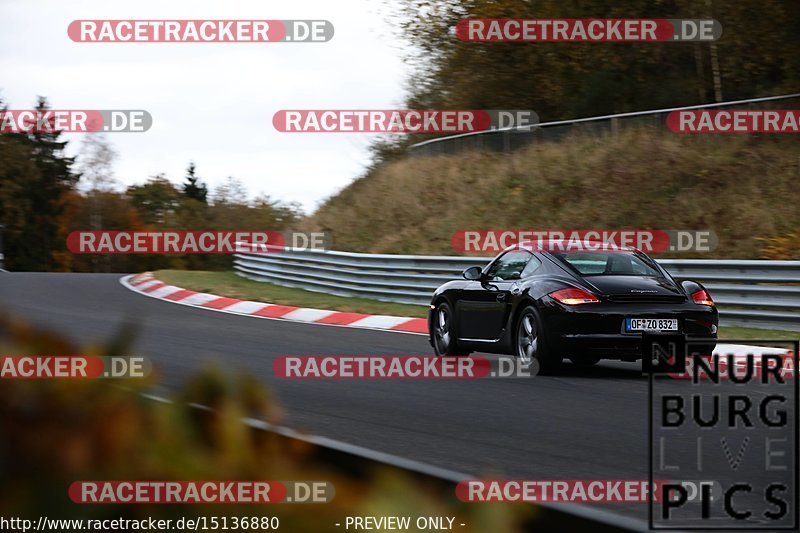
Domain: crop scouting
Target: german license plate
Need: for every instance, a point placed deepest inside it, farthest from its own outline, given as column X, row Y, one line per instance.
column 651, row 324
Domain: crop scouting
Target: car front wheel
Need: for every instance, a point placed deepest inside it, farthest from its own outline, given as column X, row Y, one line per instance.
column 443, row 332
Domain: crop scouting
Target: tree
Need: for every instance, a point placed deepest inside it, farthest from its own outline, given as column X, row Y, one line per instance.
column 232, row 191
column 35, row 177
column 193, row 188
column 96, row 162
column 569, row 80
column 111, row 211
column 156, row 201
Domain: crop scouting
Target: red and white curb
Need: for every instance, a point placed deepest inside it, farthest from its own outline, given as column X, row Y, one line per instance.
column 149, row 286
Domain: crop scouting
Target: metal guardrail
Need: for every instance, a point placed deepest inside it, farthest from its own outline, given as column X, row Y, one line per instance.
column 763, row 294
column 508, row 139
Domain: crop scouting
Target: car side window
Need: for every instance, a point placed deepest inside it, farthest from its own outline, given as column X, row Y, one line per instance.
column 639, row 267
column 509, row 266
column 532, row 266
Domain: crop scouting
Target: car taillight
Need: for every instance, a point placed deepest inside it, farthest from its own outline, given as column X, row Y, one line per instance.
column 702, row 297
column 574, row 297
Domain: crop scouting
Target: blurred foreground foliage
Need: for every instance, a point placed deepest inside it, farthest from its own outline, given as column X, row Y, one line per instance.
column 55, row 432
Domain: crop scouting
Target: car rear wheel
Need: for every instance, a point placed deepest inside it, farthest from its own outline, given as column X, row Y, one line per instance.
column 530, row 346
column 444, row 335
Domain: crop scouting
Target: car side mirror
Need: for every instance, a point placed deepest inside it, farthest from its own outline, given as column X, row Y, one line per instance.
column 473, row 273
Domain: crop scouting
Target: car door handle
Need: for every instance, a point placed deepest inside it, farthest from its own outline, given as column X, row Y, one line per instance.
column 501, row 297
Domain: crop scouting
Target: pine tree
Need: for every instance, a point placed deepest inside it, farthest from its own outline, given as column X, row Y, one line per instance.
column 193, row 188
column 35, row 178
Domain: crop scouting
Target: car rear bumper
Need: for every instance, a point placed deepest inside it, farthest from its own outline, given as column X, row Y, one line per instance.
column 623, row 347
column 598, row 330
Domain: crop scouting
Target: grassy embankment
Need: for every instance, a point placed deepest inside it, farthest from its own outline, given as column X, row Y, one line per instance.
column 744, row 188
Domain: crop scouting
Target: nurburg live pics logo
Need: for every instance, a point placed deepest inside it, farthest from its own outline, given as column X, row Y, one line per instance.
column 732, row 421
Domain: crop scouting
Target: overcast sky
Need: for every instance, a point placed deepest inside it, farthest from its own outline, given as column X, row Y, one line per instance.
column 212, row 103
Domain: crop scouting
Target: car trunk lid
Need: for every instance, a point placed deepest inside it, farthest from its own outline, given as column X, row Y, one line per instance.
column 626, row 288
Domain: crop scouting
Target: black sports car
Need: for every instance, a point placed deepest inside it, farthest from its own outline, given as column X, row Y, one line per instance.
column 544, row 304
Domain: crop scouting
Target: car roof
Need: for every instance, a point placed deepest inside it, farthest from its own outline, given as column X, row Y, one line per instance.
column 570, row 245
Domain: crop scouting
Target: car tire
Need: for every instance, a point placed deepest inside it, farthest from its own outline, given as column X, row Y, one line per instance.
column 443, row 333
column 530, row 346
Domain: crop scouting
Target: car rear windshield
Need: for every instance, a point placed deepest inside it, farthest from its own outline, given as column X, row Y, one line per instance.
column 609, row 263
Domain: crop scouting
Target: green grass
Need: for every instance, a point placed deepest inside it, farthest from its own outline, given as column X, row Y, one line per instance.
column 730, row 332
column 230, row 285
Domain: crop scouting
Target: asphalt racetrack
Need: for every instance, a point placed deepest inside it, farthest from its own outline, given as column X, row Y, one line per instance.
column 581, row 424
